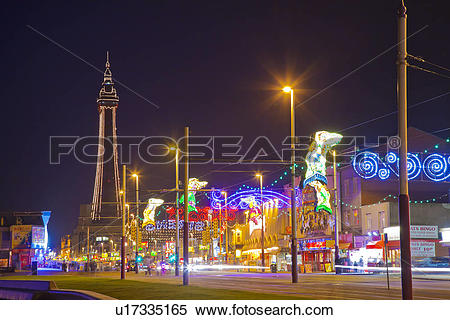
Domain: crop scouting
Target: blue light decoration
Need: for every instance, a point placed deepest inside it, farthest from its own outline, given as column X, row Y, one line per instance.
column 236, row 200
column 434, row 166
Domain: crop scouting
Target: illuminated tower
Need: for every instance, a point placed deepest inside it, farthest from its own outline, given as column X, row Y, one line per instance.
column 107, row 181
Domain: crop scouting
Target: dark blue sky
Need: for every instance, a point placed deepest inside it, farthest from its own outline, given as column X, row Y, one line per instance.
column 215, row 66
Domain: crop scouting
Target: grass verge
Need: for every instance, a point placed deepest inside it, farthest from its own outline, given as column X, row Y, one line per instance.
column 132, row 289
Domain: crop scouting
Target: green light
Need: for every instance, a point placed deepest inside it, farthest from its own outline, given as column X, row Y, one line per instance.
column 436, row 146
column 447, row 140
column 425, row 151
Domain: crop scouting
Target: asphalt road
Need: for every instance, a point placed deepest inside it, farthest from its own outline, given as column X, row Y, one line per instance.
column 312, row 286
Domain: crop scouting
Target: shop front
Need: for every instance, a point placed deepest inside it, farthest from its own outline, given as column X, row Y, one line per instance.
column 317, row 255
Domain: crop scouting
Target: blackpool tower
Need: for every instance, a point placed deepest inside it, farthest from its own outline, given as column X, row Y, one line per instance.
column 106, row 197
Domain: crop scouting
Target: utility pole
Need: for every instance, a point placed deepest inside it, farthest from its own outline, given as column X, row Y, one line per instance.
column 403, row 199
column 336, row 217
column 226, row 227
column 177, row 219
column 136, row 265
column 219, row 239
column 122, row 249
column 186, row 211
column 263, row 259
column 88, row 266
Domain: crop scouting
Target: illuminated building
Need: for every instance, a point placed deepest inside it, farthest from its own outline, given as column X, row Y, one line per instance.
column 65, row 247
column 24, row 238
column 107, row 181
column 102, row 215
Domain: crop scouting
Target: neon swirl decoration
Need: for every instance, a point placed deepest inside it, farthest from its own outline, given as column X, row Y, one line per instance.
column 236, row 201
column 369, row 165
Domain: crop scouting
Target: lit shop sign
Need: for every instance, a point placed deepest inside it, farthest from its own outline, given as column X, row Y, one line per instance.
column 416, row 232
column 315, row 244
column 435, row 167
column 422, row 249
column 171, row 225
column 203, row 214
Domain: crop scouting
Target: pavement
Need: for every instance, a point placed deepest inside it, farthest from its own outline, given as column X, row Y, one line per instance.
column 309, row 286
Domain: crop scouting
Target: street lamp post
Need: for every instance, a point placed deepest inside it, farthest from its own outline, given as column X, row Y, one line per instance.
column 226, row 226
column 293, row 209
column 336, row 217
column 122, row 248
column 136, row 266
column 263, row 263
column 177, row 216
column 186, row 211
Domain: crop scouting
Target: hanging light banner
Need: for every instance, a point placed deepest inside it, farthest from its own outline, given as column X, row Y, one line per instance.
column 237, row 201
column 435, row 166
column 171, row 225
column 203, row 214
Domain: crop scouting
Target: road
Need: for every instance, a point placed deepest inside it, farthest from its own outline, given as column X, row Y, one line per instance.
column 312, row 286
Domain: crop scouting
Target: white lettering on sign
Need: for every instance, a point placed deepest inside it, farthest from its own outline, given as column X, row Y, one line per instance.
column 422, row 249
column 416, row 232
column 424, row 232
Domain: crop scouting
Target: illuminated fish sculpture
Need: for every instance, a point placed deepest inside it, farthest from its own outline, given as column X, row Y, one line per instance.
column 149, row 212
column 193, row 186
column 316, row 161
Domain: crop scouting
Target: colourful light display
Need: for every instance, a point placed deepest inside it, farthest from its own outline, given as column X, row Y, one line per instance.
column 236, row 200
column 369, row 165
column 316, row 160
column 254, row 213
column 149, row 212
column 194, row 185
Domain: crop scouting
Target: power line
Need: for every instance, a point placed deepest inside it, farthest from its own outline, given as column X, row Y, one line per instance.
column 420, row 59
column 428, row 71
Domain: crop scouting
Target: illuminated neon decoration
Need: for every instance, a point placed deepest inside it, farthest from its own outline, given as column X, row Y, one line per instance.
column 149, row 212
column 172, row 225
column 316, row 161
column 236, row 202
column 193, row 185
column 369, row 165
column 254, row 213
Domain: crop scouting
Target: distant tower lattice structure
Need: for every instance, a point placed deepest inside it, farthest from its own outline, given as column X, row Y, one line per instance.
column 107, row 179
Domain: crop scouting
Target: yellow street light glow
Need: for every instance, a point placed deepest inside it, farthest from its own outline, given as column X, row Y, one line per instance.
column 127, row 205
column 287, row 89
column 135, row 175
column 121, row 191
column 172, row 148
column 258, row 175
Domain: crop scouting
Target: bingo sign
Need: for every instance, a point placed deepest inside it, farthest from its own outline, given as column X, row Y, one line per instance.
column 422, row 249
column 424, row 232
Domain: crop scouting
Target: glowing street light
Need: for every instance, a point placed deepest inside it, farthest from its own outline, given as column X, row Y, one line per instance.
column 294, row 268
column 287, row 89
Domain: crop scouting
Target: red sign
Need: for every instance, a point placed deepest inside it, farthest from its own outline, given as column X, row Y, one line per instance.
column 203, row 214
column 316, row 245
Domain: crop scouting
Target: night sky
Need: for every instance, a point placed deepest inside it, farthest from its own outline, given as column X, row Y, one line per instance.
column 216, row 66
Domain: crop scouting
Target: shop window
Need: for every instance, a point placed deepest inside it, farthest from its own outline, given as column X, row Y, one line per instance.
column 369, row 221
column 355, row 217
column 355, row 185
column 346, row 218
column 346, row 187
column 382, row 216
